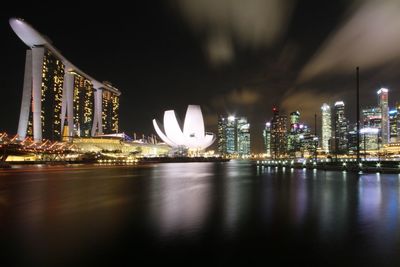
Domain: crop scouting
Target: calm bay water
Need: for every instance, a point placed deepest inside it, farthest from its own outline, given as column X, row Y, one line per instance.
column 198, row 214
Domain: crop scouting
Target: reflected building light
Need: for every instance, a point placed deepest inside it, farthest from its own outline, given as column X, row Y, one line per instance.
column 181, row 200
column 370, row 197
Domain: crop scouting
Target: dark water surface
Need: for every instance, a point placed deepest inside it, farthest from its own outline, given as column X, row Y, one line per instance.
column 203, row 214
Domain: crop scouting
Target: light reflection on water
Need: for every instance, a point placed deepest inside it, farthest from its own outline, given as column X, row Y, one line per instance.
column 180, row 199
column 77, row 215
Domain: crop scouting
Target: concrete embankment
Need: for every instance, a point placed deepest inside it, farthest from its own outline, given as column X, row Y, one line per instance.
column 364, row 166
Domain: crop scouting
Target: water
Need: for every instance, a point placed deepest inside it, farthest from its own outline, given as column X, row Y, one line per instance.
column 201, row 214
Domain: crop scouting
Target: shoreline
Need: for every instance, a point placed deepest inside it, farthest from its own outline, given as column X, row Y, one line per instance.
column 392, row 167
column 8, row 165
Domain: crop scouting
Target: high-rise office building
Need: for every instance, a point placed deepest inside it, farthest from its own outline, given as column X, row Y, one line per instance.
column 294, row 121
column 340, row 130
column 398, row 122
column 369, row 138
column 59, row 100
column 267, row 139
column 393, row 125
column 308, row 142
column 278, row 134
column 352, row 138
column 371, row 117
column 326, row 127
column 222, row 124
column 384, row 105
column 227, row 135
column 233, row 136
column 243, row 137
column 383, row 95
column 293, row 144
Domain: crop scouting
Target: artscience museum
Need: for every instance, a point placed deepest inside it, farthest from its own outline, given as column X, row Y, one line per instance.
column 193, row 137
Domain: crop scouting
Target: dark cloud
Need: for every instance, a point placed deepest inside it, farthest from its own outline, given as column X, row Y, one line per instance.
column 250, row 23
column 369, row 37
column 219, row 49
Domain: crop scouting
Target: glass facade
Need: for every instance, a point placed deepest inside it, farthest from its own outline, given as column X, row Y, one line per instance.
column 326, row 127
column 384, row 105
column 371, row 117
column 340, row 129
column 222, row 135
column 278, row 134
column 294, row 121
column 233, row 136
column 393, row 125
column 243, row 137
column 267, row 139
column 398, row 121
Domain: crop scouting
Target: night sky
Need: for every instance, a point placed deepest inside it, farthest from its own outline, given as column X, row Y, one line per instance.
column 229, row 56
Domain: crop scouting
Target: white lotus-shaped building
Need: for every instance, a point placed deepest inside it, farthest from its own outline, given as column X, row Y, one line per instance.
column 193, row 136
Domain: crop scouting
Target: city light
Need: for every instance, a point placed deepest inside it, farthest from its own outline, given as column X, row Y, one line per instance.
column 339, row 103
column 382, row 90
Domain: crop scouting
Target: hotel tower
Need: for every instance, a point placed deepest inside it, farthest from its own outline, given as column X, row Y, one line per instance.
column 58, row 99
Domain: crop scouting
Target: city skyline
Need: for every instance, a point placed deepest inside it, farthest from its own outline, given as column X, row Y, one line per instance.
column 188, row 71
column 59, row 101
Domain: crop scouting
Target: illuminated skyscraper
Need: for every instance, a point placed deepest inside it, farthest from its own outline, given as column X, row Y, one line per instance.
column 326, row 127
column 231, row 135
column 384, row 105
column 51, row 95
column 227, row 135
column 294, row 121
column 83, row 106
column 278, row 134
column 267, row 139
column 371, row 117
column 58, row 97
column 340, row 129
column 369, row 138
column 110, row 103
column 393, row 125
column 243, row 137
column 293, row 144
column 222, row 124
column 398, row 122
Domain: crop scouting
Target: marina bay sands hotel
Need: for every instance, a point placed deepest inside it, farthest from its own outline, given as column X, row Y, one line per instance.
column 59, row 100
